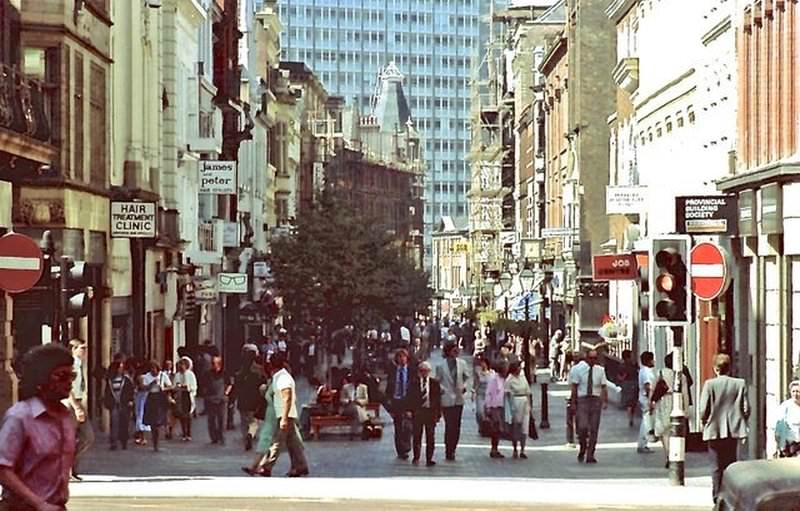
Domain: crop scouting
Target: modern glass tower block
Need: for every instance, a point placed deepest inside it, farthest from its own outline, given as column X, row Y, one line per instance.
column 433, row 43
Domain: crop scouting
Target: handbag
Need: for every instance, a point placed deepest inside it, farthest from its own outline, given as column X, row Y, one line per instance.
column 661, row 389
column 532, row 433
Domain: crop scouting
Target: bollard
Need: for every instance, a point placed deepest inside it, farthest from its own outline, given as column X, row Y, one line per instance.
column 545, row 422
column 570, row 422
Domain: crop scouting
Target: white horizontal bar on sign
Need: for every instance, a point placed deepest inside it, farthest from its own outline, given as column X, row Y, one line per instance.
column 708, row 270
column 20, row 263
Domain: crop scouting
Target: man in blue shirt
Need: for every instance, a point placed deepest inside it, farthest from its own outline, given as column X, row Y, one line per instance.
column 397, row 403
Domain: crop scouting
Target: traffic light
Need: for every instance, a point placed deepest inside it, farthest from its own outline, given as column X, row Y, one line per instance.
column 670, row 296
column 644, row 292
column 75, row 290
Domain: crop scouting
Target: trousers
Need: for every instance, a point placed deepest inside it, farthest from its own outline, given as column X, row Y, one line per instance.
column 215, row 411
column 292, row 441
column 588, row 417
column 403, row 429
column 452, row 428
column 722, row 452
column 424, row 421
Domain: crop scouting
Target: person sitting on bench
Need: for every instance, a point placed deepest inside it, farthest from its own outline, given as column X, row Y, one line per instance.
column 354, row 397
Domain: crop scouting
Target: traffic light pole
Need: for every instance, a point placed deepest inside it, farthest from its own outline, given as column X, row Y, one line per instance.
column 677, row 433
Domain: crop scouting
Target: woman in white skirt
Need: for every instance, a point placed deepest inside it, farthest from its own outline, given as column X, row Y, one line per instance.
column 518, row 392
column 663, row 407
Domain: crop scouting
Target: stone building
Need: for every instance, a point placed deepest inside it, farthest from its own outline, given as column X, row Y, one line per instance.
column 765, row 177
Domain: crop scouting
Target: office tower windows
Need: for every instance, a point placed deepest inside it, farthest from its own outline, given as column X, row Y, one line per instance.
column 433, row 42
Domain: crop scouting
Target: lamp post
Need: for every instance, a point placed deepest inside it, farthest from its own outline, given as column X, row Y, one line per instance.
column 526, row 278
column 505, row 284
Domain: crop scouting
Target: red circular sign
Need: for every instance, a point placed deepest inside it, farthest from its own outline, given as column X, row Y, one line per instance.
column 20, row 263
column 709, row 271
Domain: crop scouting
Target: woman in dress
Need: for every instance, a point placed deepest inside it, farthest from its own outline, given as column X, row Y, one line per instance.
column 185, row 393
column 268, row 426
column 494, row 407
column 484, row 374
column 118, row 400
column 156, row 384
column 518, row 391
column 139, row 368
column 787, row 428
column 662, row 409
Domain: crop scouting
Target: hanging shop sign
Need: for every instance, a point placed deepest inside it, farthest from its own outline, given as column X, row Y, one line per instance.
column 234, row 283
column 625, row 200
column 133, row 219
column 614, row 267
column 217, row 177
column 706, row 214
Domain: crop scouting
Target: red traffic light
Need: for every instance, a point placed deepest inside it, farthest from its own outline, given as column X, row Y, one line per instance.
column 668, row 258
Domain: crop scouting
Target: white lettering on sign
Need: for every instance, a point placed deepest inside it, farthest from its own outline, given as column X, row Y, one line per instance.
column 703, row 208
column 133, row 220
column 621, row 263
column 218, row 177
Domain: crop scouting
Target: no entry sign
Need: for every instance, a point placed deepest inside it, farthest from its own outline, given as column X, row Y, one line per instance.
column 709, row 271
column 20, row 263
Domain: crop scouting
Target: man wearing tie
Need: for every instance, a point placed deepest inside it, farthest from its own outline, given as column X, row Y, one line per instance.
column 397, row 405
column 455, row 377
column 588, row 382
column 425, row 399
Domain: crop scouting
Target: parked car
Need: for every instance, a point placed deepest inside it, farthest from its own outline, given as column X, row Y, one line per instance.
column 761, row 485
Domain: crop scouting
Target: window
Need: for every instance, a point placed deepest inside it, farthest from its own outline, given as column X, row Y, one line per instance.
column 97, row 111
column 77, row 97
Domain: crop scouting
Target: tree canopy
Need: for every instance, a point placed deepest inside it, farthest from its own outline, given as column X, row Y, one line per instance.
column 342, row 267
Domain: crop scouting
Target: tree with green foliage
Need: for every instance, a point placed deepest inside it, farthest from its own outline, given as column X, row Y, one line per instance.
column 341, row 267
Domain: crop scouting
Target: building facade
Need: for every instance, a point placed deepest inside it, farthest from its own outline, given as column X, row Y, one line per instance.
column 347, row 45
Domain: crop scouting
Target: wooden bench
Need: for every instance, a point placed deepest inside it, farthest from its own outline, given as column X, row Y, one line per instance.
column 319, row 422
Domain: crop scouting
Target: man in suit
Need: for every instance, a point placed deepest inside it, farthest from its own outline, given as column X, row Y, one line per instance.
column 725, row 410
column 425, row 401
column 455, row 377
column 396, row 402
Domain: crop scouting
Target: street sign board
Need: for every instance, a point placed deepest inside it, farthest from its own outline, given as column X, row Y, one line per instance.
column 614, row 267
column 706, row 214
column 217, row 177
column 556, row 232
column 709, row 271
column 21, row 263
column 131, row 219
column 205, row 289
column 234, row 283
column 626, row 200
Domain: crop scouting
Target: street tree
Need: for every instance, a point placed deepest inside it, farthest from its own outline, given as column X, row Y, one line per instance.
column 340, row 266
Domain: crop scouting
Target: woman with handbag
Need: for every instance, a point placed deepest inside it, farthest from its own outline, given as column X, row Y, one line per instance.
column 787, row 428
column 484, row 374
column 156, row 384
column 118, row 400
column 518, row 390
column 661, row 398
column 494, row 407
column 185, row 392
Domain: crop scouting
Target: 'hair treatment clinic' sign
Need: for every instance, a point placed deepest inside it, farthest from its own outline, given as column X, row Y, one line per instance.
column 133, row 219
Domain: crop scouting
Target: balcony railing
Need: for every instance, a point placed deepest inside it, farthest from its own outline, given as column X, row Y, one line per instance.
column 24, row 104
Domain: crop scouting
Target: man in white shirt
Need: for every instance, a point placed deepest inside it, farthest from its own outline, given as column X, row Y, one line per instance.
column 288, row 434
column 647, row 384
column 77, row 402
column 589, row 392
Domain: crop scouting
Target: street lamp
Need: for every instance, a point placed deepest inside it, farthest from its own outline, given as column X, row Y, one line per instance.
column 526, row 278
column 505, row 284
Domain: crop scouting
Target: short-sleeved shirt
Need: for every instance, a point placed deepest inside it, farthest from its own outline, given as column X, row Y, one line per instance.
column 646, row 375
column 580, row 375
column 280, row 381
column 38, row 444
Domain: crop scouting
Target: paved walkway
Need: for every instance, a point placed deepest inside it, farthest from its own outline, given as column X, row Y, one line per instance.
column 621, row 474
